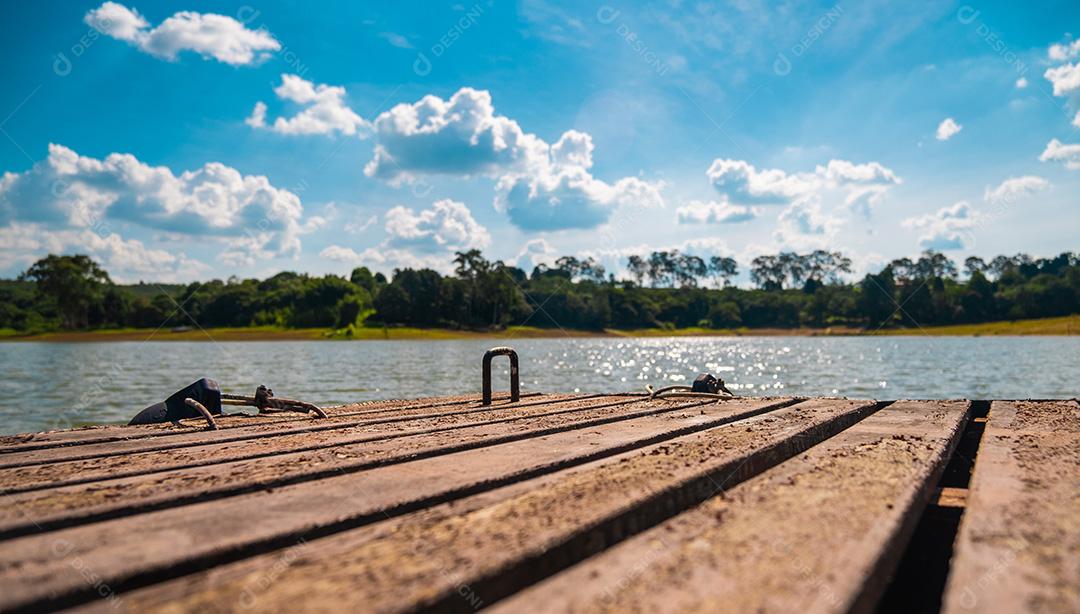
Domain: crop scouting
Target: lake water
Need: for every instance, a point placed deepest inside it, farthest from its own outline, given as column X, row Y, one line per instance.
column 54, row 385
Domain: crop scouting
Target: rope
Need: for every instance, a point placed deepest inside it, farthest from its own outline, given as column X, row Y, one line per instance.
column 211, row 425
column 653, row 393
column 272, row 404
column 302, row 406
column 681, row 391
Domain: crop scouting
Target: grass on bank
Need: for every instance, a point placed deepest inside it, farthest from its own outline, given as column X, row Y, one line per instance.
column 275, row 333
column 1066, row 325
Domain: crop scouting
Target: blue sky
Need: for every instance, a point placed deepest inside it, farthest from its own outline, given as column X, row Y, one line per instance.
column 208, row 139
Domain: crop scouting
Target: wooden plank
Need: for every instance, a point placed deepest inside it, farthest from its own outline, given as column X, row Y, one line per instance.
column 150, row 546
column 34, row 511
column 819, row 533
column 63, row 473
column 250, row 597
column 114, row 432
column 1018, row 549
column 108, row 433
column 434, row 557
column 250, row 432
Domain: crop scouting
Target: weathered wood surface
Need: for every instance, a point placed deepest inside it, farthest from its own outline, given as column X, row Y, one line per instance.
column 552, row 503
column 810, row 535
column 21, row 512
column 96, row 434
column 1019, row 543
column 194, row 434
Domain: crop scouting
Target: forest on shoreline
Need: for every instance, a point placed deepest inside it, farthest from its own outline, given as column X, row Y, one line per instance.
column 667, row 290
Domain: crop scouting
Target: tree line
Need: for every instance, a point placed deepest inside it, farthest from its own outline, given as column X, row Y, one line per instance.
column 667, row 289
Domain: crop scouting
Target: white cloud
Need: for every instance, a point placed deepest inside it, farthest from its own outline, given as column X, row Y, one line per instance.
column 533, row 253
column 697, row 212
column 459, row 136
column 117, row 21
column 396, row 40
column 1065, row 78
column 1015, row 188
column 946, row 229
column 1021, row 83
column 73, row 191
column 862, row 200
column 418, row 239
column 1067, row 154
column 805, row 217
column 348, row 255
column 357, row 226
column 803, row 226
column 257, row 119
column 554, row 190
column 843, row 172
column 447, row 226
column 126, row 260
column 570, row 197
column 1061, row 52
column 540, row 186
column 705, row 247
column 325, row 112
column 386, row 260
column 947, row 129
column 211, row 36
column 741, row 183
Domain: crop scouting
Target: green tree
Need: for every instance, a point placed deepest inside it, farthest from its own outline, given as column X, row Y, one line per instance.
column 877, row 297
column 422, row 287
column 661, row 268
column 974, row 264
column 393, row 305
column 768, row 272
column 977, row 300
column 638, row 268
column 723, row 270
column 688, row 269
column 485, row 293
column 725, row 315
column 116, row 305
column 362, row 277
column 934, row 265
column 74, row 283
column 350, row 308
column 824, row 267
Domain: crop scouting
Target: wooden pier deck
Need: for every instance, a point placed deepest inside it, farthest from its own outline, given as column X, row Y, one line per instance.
column 555, row 503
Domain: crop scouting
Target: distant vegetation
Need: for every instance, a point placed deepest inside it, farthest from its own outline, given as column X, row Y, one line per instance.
column 665, row 291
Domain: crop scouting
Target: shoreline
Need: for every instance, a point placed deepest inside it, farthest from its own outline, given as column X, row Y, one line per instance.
column 1060, row 326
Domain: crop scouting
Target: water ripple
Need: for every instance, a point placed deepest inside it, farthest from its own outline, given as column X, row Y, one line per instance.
column 51, row 385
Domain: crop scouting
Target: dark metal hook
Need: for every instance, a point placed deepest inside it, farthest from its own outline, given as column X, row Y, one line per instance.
column 515, row 386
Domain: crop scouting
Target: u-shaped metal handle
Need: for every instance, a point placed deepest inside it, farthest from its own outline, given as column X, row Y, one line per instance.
column 515, row 386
